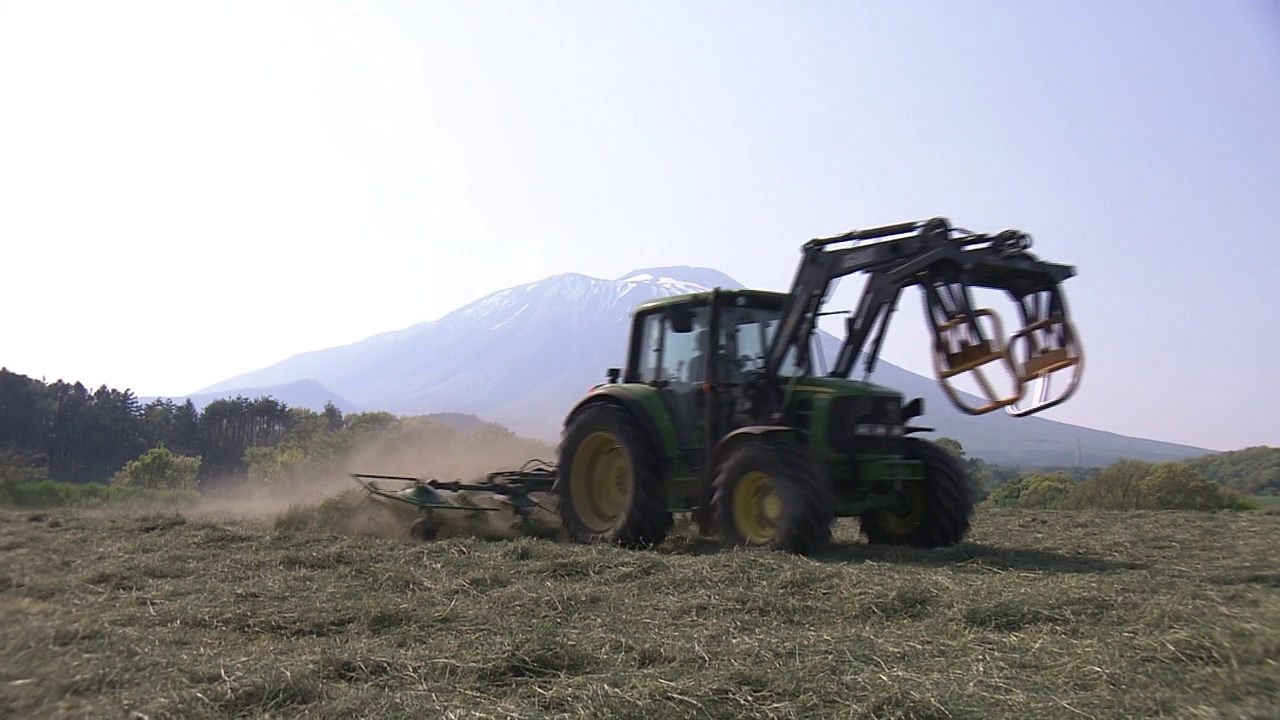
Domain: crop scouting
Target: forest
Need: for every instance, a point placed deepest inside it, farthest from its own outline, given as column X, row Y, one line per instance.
column 68, row 433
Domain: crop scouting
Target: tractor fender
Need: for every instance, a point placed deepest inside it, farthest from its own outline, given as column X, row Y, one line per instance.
column 630, row 401
column 732, row 440
column 632, row 404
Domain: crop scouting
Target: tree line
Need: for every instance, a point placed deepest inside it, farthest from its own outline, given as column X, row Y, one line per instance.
column 65, row 432
column 57, row 435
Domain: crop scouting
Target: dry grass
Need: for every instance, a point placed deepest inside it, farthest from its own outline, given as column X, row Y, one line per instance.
column 327, row 612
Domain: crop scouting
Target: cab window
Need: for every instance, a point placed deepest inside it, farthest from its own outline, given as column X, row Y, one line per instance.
column 667, row 355
column 748, row 333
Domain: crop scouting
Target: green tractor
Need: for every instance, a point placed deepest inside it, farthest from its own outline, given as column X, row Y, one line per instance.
column 719, row 411
column 722, row 412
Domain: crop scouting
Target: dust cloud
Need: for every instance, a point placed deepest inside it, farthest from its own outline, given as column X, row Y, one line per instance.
column 324, row 496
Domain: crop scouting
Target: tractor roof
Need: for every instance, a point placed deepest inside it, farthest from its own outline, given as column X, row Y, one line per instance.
column 757, row 298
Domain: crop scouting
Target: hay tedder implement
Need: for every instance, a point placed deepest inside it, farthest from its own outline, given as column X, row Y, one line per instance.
column 513, row 489
column 721, row 409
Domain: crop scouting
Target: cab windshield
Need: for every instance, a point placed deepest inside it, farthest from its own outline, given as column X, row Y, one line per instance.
column 745, row 334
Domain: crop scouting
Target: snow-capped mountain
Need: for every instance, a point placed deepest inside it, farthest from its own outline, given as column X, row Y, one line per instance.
column 518, row 356
column 522, row 356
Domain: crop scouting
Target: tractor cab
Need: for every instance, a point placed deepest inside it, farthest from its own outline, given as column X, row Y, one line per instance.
column 717, row 337
column 705, row 354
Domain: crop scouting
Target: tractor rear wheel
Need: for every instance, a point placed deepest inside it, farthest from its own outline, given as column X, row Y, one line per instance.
column 770, row 494
column 610, row 484
column 934, row 512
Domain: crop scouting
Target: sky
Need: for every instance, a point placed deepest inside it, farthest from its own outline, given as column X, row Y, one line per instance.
column 189, row 191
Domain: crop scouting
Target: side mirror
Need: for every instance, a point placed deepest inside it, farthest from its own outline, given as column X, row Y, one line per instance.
column 612, row 374
column 681, row 318
column 915, row 408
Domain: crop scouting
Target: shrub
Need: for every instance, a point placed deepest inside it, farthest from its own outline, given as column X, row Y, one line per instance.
column 1123, row 485
column 159, row 469
column 1038, row 491
column 1133, row 485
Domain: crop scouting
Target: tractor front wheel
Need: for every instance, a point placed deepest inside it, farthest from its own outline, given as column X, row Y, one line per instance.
column 770, row 494
column 610, row 484
column 934, row 512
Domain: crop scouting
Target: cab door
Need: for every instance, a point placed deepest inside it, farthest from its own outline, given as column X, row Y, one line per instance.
column 674, row 360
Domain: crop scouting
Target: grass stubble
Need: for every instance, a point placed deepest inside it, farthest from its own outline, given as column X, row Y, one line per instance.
column 329, row 610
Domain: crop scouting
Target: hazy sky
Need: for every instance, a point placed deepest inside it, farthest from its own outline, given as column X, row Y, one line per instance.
column 193, row 190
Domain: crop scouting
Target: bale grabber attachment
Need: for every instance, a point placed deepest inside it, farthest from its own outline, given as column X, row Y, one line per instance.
column 510, row 489
column 947, row 264
column 967, row 338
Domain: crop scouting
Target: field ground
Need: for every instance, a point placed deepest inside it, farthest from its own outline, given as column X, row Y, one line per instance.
column 1039, row 615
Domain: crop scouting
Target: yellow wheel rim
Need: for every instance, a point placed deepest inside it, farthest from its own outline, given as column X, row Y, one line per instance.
column 756, row 508
column 600, row 483
column 900, row 524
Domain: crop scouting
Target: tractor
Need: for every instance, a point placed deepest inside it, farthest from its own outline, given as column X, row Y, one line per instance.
column 722, row 411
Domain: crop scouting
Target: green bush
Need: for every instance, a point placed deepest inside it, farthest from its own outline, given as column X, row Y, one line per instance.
column 1133, row 485
column 159, row 469
column 1039, row 491
column 1123, row 485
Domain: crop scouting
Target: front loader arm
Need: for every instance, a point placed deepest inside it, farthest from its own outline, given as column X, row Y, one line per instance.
column 819, row 268
column 946, row 263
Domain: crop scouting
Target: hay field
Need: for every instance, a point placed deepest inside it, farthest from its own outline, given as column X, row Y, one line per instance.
column 334, row 614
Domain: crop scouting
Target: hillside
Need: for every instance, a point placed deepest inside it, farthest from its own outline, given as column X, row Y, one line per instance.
column 522, row 356
column 1252, row 471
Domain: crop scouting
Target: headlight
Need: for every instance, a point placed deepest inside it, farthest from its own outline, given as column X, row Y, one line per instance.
column 877, row 430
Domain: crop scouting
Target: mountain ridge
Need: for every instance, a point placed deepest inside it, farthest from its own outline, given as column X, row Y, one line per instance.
column 307, row 392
